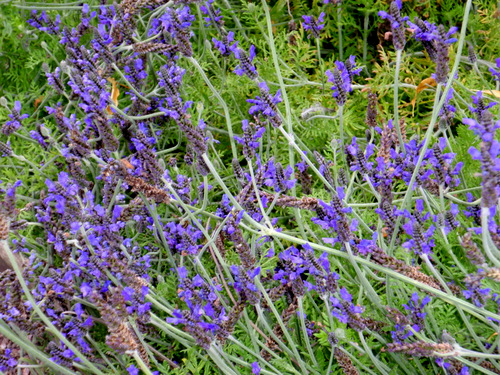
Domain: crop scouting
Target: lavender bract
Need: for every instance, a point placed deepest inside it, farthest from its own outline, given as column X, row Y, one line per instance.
column 314, row 26
column 341, row 77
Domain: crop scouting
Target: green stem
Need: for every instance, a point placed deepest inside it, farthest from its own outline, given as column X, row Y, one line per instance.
column 288, row 110
column 383, row 368
column 365, row 37
column 339, row 28
column 222, row 103
column 488, row 246
column 342, row 141
column 372, row 295
column 320, row 65
column 396, row 101
column 141, row 363
column 304, row 331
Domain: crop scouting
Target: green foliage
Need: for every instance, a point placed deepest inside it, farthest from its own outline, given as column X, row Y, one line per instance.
column 20, row 54
column 466, row 139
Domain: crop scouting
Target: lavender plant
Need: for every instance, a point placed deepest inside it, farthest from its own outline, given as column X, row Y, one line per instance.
column 163, row 210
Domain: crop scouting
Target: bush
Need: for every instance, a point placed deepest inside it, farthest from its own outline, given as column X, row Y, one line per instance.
column 250, row 188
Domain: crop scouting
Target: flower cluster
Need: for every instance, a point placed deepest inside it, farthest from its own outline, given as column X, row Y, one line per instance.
column 15, row 120
column 415, row 318
column 265, row 105
column 201, row 299
column 494, row 72
column 485, row 127
column 342, row 77
column 314, row 26
column 397, row 23
column 436, row 41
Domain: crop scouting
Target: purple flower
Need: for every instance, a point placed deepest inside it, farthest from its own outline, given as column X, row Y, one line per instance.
column 278, row 177
column 488, row 153
column 397, row 24
column 87, row 15
column 37, row 136
column 5, row 149
column 341, row 77
column 183, row 239
column 86, row 289
column 314, row 26
column 7, row 363
column 43, row 23
column 415, row 309
column 333, row 217
column 359, row 159
column 255, row 368
column 346, row 312
column 474, row 290
column 224, row 46
column 177, row 22
column 246, row 65
column 447, row 112
column 213, row 15
column 135, row 72
column 436, row 41
column 266, row 105
column 421, row 242
column 128, row 293
column 494, row 72
column 15, row 123
column 485, row 130
column 244, row 284
column 452, row 368
column 250, row 140
column 132, row 370
column 202, row 302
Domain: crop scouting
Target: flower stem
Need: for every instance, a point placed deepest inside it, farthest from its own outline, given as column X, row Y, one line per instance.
column 396, row 100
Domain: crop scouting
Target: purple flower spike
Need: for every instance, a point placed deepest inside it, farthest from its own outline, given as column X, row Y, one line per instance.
column 415, row 318
column 496, row 72
column 212, row 15
column 489, row 152
column 42, row 22
column 436, row 41
column 16, row 118
column 132, row 370
column 255, row 368
column 266, row 105
column 475, row 290
column 250, row 139
column 246, row 61
column 346, row 312
column 397, row 24
column 341, row 77
column 224, row 46
column 314, row 26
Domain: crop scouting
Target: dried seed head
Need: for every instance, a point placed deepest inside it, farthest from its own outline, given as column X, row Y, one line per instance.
column 5, row 149
column 151, row 47
column 345, row 362
column 238, row 171
column 4, row 227
column 473, row 252
column 472, row 54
